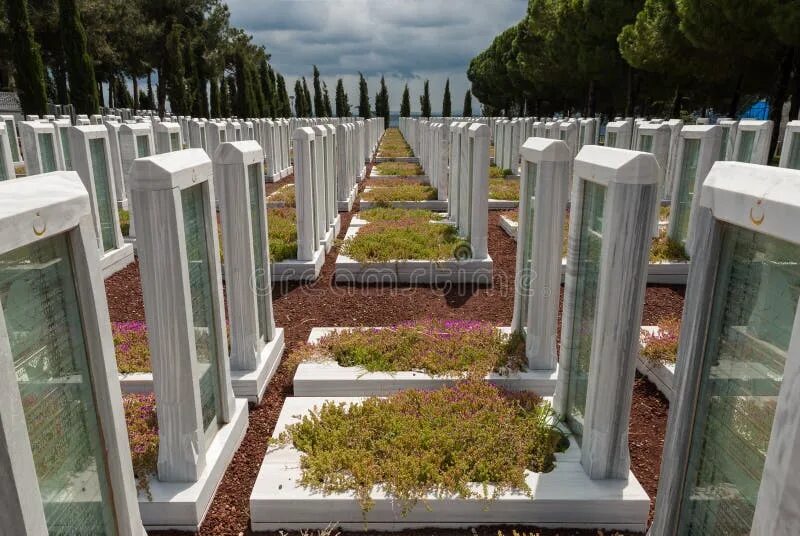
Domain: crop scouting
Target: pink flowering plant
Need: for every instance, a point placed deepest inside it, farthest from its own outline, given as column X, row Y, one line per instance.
column 420, row 443
column 662, row 346
column 132, row 348
column 462, row 348
column 140, row 416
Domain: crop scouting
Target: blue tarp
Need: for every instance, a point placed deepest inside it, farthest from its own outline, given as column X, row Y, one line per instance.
column 758, row 110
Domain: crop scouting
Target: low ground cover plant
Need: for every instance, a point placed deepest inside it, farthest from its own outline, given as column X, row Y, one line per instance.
column 393, row 144
column 408, row 239
column 664, row 249
column 450, row 348
column 285, row 195
column 282, row 224
column 499, row 173
column 131, row 345
column 142, row 422
column 398, row 214
column 384, row 196
column 662, row 347
column 505, row 189
column 395, row 181
column 512, row 215
column 419, row 443
column 406, row 169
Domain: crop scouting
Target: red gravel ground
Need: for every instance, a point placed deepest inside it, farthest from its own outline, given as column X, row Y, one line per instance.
column 298, row 308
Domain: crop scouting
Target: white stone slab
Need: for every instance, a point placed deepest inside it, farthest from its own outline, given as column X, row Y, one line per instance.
column 662, row 375
column 251, row 384
column 332, row 379
column 564, row 497
column 509, row 226
column 183, row 505
column 116, row 259
column 296, row 270
column 347, row 206
column 502, row 204
column 423, row 272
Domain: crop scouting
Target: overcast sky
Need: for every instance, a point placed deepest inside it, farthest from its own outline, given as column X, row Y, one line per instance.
column 406, row 41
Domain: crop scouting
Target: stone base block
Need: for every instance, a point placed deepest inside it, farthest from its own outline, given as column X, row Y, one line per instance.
column 183, row 505
column 346, row 205
column 411, row 159
column 251, row 384
column 565, row 497
column 296, row 270
column 502, row 204
column 115, row 260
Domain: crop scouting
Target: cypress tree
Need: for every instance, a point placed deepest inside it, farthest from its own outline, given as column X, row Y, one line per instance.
column 383, row 97
column 299, row 100
column 405, row 105
column 425, row 101
column 80, row 69
column 215, row 111
column 28, row 66
column 151, row 99
column 173, row 71
column 467, row 110
column 307, row 94
column 326, row 100
column 446, row 105
column 319, row 103
column 224, row 98
column 341, row 100
column 363, row 98
column 232, row 95
column 283, row 94
column 267, row 88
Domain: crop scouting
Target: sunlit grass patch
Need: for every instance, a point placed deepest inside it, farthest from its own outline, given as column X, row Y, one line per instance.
column 402, row 240
column 285, row 195
column 505, row 189
column 406, row 169
column 407, row 192
column 282, row 223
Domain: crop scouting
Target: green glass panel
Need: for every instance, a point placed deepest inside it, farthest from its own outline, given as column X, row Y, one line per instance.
column 611, row 139
column 723, row 148
column 646, row 143
column 222, row 136
column 102, row 190
column 65, row 148
column 237, row 132
column 203, row 138
column 51, row 364
column 686, row 184
column 581, row 136
column 590, row 243
column 470, row 184
column 201, row 288
column 528, row 237
column 259, row 255
column 794, row 152
column 142, row 146
column 47, row 152
column 3, row 164
column 174, row 141
column 748, row 138
column 562, row 135
column 755, row 299
column 12, row 139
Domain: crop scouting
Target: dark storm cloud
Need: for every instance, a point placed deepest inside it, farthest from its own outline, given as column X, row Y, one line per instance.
column 406, row 41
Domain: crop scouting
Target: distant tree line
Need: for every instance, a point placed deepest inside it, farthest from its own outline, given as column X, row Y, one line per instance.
column 186, row 50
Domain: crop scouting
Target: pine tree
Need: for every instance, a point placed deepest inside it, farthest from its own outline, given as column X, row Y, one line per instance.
column 405, row 105
column 363, row 98
column 215, row 112
column 446, row 105
column 299, row 100
column 467, row 110
column 342, row 108
column 425, row 101
column 82, row 82
column 319, row 104
column 326, row 100
column 29, row 69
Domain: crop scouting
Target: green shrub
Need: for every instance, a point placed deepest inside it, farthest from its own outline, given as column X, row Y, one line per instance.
column 403, row 240
column 124, row 222
column 438, row 347
column 499, row 173
column 282, row 223
column 418, row 443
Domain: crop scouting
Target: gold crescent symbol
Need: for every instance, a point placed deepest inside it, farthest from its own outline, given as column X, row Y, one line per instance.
column 757, row 221
column 38, row 220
